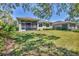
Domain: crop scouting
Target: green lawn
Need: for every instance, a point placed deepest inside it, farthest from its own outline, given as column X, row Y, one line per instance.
column 45, row 42
column 67, row 39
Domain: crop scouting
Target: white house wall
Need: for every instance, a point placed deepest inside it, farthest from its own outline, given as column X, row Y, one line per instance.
column 19, row 24
column 43, row 27
column 71, row 27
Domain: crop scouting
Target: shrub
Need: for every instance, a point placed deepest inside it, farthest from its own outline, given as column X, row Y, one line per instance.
column 1, row 22
column 9, row 28
column 58, row 28
column 47, row 29
column 1, row 44
column 76, row 30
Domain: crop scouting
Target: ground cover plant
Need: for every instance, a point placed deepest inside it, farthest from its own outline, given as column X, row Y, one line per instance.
column 47, row 42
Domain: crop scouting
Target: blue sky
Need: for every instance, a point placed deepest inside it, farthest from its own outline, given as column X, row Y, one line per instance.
column 20, row 13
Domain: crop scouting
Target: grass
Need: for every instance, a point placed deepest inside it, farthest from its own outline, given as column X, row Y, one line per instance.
column 45, row 42
column 69, row 40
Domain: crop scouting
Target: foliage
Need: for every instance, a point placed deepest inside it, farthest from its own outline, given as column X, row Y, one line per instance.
column 8, row 28
column 76, row 30
column 44, row 13
column 41, row 43
column 41, row 10
column 46, row 24
column 1, row 23
column 6, row 17
column 1, row 44
column 44, row 10
column 47, row 29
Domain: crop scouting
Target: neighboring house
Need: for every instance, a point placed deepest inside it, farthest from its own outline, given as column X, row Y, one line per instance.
column 36, row 24
column 33, row 24
column 65, row 25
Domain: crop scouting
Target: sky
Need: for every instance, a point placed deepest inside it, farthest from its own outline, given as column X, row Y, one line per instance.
column 20, row 13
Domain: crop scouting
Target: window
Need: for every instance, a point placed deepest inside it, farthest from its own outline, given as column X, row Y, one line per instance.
column 72, row 25
column 23, row 26
column 40, row 24
column 50, row 24
column 47, row 25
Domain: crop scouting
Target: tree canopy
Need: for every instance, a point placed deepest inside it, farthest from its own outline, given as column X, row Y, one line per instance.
column 6, row 17
column 43, row 10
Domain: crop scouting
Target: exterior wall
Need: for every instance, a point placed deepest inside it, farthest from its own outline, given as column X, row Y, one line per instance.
column 67, row 26
column 43, row 26
column 57, row 26
column 19, row 25
column 35, row 26
column 40, row 28
column 72, row 27
column 77, row 26
column 64, row 27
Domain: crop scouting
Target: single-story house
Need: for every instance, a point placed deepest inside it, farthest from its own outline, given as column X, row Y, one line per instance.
column 65, row 25
column 36, row 24
column 33, row 24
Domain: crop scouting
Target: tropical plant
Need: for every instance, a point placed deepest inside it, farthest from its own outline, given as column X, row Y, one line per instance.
column 1, row 22
column 9, row 28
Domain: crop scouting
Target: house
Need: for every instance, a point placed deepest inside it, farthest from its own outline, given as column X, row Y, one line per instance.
column 65, row 25
column 33, row 24
column 36, row 24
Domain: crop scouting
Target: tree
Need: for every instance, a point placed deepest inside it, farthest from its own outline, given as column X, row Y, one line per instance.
column 40, row 10
column 44, row 10
column 6, row 17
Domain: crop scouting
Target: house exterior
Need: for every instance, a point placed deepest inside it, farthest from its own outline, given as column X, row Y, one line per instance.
column 36, row 24
column 33, row 24
column 65, row 25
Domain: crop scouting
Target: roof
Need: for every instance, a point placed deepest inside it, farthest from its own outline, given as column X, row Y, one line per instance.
column 27, row 19
column 63, row 22
column 44, row 21
column 32, row 20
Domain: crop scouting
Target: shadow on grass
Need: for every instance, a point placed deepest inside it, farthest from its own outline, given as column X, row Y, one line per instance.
column 25, row 37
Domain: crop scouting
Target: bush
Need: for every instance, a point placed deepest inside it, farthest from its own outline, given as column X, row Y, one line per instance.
column 57, row 28
column 9, row 28
column 76, row 30
column 47, row 29
column 1, row 44
column 1, row 22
